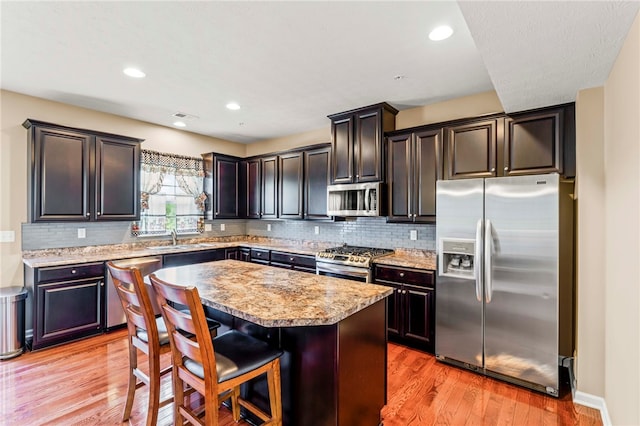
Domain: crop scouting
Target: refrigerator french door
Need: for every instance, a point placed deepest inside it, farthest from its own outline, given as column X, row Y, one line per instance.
column 504, row 305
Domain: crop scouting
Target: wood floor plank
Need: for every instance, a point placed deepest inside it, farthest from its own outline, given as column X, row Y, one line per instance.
column 84, row 383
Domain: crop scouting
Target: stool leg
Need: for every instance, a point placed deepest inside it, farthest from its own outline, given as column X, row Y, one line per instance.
column 275, row 398
column 235, row 406
column 154, row 390
column 131, row 387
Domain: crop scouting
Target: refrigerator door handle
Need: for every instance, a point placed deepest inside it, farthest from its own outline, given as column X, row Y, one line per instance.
column 488, row 254
column 477, row 262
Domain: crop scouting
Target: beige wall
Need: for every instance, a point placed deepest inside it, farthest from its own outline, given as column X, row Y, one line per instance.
column 622, row 226
column 590, row 241
column 15, row 108
column 289, row 142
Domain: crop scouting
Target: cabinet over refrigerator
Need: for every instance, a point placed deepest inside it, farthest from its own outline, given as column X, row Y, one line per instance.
column 505, row 277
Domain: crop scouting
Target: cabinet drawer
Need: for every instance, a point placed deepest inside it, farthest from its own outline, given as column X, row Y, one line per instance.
column 417, row 277
column 293, row 259
column 70, row 272
column 260, row 254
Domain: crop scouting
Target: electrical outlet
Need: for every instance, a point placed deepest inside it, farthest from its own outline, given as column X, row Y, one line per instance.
column 82, row 233
column 268, row 227
column 207, row 227
column 222, row 227
column 7, row 236
column 316, row 230
column 413, row 235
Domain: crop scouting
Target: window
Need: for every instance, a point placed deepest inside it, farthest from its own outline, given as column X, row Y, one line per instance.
column 171, row 194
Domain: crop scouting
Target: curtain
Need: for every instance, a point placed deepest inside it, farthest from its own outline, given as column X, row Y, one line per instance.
column 189, row 173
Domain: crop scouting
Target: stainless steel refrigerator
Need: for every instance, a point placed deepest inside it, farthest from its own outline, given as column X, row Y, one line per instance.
column 504, row 302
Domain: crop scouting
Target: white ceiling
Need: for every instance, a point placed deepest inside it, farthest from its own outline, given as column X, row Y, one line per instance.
column 290, row 64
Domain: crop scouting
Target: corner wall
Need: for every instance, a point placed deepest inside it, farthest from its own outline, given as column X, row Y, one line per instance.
column 622, row 225
column 590, row 241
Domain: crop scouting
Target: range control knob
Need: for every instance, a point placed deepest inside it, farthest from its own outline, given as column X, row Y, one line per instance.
column 363, row 259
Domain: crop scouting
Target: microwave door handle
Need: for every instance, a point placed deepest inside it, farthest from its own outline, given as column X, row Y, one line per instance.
column 367, row 194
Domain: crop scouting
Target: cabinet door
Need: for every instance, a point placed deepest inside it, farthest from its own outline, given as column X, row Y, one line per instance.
column 117, row 179
column 316, row 178
column 60, row 176
column 67, row 310
column 368, row 147
column 471, row 150
column 418, row 315
column 290, row 186
column 399, row 178
column 269, row 187
column 342, row 149
column 427, row 170
column 533, row 143
column 254, row 189
column 226, row 186
column 394, row 311
column 192, row 257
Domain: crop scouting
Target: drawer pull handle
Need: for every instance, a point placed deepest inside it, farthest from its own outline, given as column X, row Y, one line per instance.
column 401, row 274
column 73, row 271
column 291, row 259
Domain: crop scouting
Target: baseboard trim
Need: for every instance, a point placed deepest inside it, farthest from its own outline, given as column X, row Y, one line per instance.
column 596, row 402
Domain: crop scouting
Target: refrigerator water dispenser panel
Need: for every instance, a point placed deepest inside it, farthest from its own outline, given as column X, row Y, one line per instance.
column 457, row 258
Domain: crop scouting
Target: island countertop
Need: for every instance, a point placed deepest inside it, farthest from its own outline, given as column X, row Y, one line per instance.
column 275, row 297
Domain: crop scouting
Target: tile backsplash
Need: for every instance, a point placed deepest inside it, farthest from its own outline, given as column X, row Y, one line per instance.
column 370, row 232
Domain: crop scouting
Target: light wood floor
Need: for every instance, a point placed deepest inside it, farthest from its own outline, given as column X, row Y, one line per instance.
column 84, row 383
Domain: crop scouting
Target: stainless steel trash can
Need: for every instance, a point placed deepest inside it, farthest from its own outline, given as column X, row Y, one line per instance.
column 12, row 306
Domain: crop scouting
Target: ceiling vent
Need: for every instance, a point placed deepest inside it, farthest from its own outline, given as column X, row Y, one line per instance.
column 184, row 116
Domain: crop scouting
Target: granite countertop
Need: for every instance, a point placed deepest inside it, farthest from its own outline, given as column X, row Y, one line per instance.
column 274, row 297
column 75, row 255
column 418, row 259
column 408, row 258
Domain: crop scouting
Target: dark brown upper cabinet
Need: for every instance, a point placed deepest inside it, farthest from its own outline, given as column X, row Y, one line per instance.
column 471, row 149
column 317, row 174
column 290, row 186
column 222, row 185
column 253, row 176
column 82, row 175
column 539, row 141
column 269, row 192
column 357, row 153
column 415, row 164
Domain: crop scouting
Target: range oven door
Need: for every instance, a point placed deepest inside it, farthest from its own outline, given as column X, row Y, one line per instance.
column 343, row 271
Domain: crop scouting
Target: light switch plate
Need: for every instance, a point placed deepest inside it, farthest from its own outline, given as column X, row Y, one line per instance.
column 316, row 230
column 222, row 227
column 7, row 236
column 207, row 227
column 413, row 235
column 268, row 227
column 82, row 233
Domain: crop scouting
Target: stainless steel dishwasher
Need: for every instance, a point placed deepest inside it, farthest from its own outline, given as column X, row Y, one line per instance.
column 146, row 265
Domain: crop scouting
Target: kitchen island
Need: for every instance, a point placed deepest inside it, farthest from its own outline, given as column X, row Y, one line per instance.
column 333, row 333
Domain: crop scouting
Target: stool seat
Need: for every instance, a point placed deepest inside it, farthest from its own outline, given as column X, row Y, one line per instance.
column 163, row 334
column 236, row 354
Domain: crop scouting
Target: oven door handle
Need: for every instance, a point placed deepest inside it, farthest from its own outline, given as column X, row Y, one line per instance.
column 342, row 270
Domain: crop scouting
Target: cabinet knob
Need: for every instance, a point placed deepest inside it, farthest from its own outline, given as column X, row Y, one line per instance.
column 88, row 214
column 414, row 215
column 98, row 213
column 506, row 168
column 401, row 274
column 217, row 213
column 291, row 259
column 493, row 169
column 73, row 271
column 101, row 283
column 409, row 215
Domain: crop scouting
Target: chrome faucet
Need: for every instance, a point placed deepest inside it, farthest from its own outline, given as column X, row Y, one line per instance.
column 174, row 237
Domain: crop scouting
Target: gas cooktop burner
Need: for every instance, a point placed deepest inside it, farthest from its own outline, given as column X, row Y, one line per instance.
column 351, row 255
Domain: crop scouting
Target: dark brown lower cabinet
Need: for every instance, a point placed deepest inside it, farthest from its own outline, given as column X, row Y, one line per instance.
column 297, row 262
column 411, row 307
column 238, row 253
column 189, row 258
column 67, row 302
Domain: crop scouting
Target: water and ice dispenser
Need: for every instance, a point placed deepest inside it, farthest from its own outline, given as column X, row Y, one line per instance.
column 457, row 258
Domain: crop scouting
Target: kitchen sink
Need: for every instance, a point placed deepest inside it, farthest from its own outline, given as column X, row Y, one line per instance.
column 181, row 246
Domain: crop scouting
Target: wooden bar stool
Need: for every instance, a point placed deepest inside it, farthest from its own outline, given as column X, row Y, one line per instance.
column 216, row 367
column 147, row 334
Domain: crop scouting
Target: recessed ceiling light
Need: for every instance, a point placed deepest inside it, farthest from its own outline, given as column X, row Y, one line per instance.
column 233, row 106
column 134, row 72
column 179, row 124
column 440, row 33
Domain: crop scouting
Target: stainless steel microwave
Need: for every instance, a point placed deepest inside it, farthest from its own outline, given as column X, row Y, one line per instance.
column 355, row 199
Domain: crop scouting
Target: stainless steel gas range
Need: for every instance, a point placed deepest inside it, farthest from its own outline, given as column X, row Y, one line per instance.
column 350, row 262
